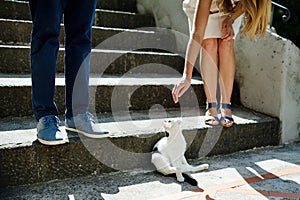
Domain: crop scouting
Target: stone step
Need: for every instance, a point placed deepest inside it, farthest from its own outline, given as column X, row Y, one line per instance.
column 18, row 32
column 118, row 19
column 128, row 5
column 228, row 177
column 108, row 93
column 14, row 10
column 121, row 5
column 19, row 10
column 25, row 161
column 261, row 173
column 15, row 59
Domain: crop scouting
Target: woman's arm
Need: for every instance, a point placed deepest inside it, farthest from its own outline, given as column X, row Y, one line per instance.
column 227, row 30
column 194, row 44
column 237, row 11
column 198, row 31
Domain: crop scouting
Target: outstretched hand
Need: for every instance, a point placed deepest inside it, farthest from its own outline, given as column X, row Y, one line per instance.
column 180, row 88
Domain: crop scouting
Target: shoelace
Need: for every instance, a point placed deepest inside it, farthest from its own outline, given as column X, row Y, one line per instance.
column 89, row 117
column 51, row 119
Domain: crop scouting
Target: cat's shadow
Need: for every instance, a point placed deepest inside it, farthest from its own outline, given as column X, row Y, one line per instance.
column 152, row 177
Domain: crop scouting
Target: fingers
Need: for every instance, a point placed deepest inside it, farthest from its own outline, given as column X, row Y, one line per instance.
column 228, row 34
column 225, row 36
column 224, row 29
column 227, row 31
column 178, row 90
column 175, row 98
column 175, row 94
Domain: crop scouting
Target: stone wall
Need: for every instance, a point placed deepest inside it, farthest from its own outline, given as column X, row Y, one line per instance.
column 268, row 74
column 268, row 69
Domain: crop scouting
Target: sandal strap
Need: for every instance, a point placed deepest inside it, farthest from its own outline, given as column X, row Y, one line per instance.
column 226, row 105
column 215, row 118
column 227, row 118
column 211, row 105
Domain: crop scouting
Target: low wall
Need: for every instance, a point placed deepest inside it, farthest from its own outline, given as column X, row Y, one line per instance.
column 268, row 69
column 268, row 74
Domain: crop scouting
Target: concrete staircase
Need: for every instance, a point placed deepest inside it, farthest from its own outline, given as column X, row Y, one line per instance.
column 131, row 96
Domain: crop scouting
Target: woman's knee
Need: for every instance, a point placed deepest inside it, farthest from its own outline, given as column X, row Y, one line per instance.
column 210, row 45
column 226, row 46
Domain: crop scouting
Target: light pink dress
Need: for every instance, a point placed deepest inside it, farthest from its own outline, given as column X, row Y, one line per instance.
column 214, row 24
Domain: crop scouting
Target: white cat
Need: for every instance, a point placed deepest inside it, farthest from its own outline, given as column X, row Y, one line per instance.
column 168, row 153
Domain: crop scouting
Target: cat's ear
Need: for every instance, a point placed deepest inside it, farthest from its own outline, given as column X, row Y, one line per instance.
column 179, row 121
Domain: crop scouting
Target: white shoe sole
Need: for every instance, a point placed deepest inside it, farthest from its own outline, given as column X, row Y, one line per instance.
column 96, row 136
column 52, row 143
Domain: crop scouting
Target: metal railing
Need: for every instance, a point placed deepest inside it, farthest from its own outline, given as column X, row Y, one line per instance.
column 285, row 17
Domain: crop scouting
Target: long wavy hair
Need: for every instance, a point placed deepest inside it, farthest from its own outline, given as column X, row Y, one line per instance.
column 257, row 15
column 226, row 6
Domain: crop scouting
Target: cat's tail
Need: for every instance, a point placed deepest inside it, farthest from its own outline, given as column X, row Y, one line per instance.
column 189, row 179
column 191, row 168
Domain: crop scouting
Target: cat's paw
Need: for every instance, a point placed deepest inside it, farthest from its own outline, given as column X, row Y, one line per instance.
column 180, row 179
column 203, row 167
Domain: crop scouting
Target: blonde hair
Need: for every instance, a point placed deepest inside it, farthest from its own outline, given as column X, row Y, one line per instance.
column 226, row 6
column 257, row 15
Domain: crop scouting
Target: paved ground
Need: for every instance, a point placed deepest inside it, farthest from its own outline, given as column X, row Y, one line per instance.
column 258, row 174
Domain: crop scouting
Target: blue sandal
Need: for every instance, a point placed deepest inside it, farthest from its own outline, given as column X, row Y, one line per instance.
column 226, row 120
column 211, row 120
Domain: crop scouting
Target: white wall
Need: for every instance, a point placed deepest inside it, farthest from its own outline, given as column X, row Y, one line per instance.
column 268, row 69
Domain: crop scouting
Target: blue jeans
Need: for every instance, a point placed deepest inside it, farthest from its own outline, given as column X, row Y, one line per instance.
column 78, row 20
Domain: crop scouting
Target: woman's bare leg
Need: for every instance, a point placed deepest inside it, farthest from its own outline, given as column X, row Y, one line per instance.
column 227, row 67
column 209, row 72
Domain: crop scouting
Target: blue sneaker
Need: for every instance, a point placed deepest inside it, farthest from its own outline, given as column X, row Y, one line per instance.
column 85, row 125
column 48, row 131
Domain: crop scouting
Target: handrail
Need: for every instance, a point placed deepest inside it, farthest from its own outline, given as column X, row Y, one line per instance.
column 285, row 17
